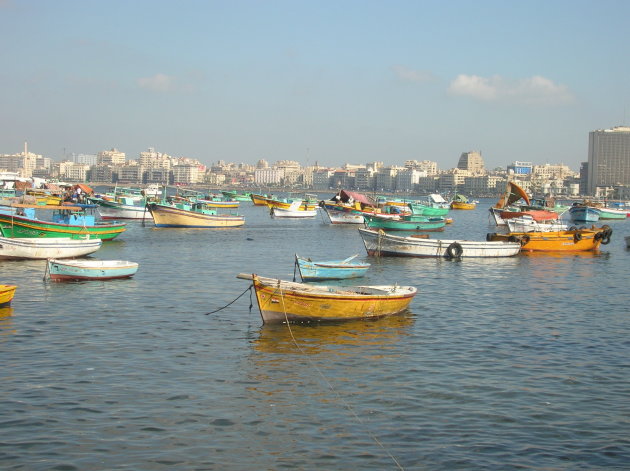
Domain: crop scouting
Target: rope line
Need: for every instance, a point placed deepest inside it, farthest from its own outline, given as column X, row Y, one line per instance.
column 233, row 301
column 330, row 386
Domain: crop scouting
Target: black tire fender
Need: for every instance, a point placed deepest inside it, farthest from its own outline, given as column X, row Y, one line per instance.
column 454, row 250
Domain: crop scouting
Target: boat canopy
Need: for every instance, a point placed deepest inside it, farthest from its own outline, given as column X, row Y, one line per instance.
column 360, row 197
column 436, row 198
column 512, row 194
column 460, row 198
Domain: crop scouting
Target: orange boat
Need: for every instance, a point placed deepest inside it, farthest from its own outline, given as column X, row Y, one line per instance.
column 577, row 240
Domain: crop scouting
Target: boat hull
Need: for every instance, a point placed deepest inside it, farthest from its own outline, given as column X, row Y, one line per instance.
column 25, row 248
column 281, row 301
column 6, row 294
column 584, row 214
column 461, row 205
column 17, row 226
column 291, row 213
column 380, row 243
column 579, row 240
column 82, row 270
column 417, row 223
column 112, row 210
column 170, row 216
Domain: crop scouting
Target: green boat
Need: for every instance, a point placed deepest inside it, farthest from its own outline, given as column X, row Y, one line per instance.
column 421, row 209
column 411, row 222
column 70, row 222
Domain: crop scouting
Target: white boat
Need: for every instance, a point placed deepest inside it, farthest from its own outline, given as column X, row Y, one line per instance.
column 382, row 243
column 78, row 270
column 47, row 247
column 119, row 210
column 343, row 215
column 527, row 223
column 293, row 211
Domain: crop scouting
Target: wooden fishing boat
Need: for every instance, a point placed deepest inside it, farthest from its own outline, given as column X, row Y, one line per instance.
column 51, row 247
column 348, row 207
column 292, row 204
column 67, row 221
column 79, row 270
column 121, row 208
column 506, row 207
column 582, row 213
column 6, row 294
column 381, row 243
column 330, row 270
column 611, row 213
column 297, row 209
column 421, row 209
column 192, row 215
column 527, row 223
column 260, row 200
column 218, row 202
column 410, row 222
column 575, row 240
column 461, row 202
column 235, row 195
column 287, row 301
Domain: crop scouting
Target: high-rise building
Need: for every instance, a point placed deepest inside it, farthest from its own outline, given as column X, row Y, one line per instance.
column 608, row 158
column 471, row 161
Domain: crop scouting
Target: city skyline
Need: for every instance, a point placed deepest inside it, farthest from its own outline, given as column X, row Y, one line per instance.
column 325, row 82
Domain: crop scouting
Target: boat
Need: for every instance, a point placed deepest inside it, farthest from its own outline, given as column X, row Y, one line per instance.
column 289, row 301
column 260, row 200
column 330, row 270
column 49, row 247
column 121, row 208
column 293, row 204
column 583, row 213
column 79, row 270
column 574, row 240
column 381, row 243
column 410, row 222
column 6, row 294
column 527, row 223
column 461, row 202
column 187, row 214
column 348, row 207
column 235, row 195
column 67, row 221
column 297, row 209
column 507, row 207
column 611, row 213
column 434, row 206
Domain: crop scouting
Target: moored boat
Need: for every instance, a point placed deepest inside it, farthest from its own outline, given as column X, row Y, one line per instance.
column 50, row 247
column 461, row 202
column 582, row 213
column 410, row 222
column 574, row 240
column 193, row 215
column 80, row 270
column 527, row 223
column 330, row 270
column 381, row 243
column 287, row 301
column 297, row 209
column 6, row 294
column 507, row 207
column 67, row 221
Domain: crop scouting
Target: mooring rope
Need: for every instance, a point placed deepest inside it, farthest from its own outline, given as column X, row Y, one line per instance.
column 345, row 403
column 234, row 300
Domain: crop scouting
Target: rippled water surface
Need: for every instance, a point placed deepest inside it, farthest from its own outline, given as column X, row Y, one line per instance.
column 500, row 363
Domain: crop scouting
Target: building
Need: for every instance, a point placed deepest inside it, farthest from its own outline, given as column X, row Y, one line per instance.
column 471, row 161
column 110, row 157
column 520, row 168
column 608, row 159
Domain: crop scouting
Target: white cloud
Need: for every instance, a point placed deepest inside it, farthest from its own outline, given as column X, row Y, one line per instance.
column 409, row 75
column 157, row 83
column 534, row 90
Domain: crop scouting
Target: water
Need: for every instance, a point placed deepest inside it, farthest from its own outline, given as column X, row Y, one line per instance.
column 500, row 364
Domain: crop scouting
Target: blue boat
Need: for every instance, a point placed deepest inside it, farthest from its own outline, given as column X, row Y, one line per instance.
column 581, row 213
column 330, row 270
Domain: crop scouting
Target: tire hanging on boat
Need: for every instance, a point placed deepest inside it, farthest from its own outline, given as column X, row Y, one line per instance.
column 454, row 250
column 577, row 237
column 524, row 240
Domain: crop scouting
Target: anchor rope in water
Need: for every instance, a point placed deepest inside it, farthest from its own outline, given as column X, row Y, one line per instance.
column 330, row 386
column 251, row 304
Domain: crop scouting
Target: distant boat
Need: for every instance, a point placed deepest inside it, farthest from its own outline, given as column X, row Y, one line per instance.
column 297, row 209
column 527, row 223
column 194, row 215
column 6, row 294
column 583, row 213
column 287, row 301
column 461, row 202
column 121, row 208
column 330, row 270
column 506, row 207
column 49, row 247
column 381, row 243
column 81, row 270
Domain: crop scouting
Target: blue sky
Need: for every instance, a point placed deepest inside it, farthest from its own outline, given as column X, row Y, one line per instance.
column 314, row 81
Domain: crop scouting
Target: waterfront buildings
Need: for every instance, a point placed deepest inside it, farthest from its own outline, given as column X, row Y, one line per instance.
column 608, row 168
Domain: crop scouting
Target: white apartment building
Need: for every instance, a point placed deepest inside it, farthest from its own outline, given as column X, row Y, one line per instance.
column 408, row 178
column 187, row 174
column 268, row 176
column 111, row 157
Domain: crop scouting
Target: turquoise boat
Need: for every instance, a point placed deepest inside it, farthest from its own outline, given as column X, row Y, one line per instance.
column 580, row 213
column 421, row 209
column 330, row 270
column 411, row 222
column 83, row 270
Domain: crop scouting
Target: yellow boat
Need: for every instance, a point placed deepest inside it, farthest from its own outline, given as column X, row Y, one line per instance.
column 259, row 200
column 287, row 301
column 191, row 215
column 462, row 205
column 577, row 240
column 286, row 204
column 6, row 294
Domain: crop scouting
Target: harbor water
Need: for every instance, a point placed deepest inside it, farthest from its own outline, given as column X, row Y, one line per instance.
column 512, row 363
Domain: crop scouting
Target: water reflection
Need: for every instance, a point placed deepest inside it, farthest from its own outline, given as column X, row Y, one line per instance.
column 341, row 337
column 6, row 321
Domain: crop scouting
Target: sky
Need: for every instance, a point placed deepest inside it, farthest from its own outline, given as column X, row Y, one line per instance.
column 326, row 82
